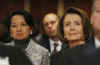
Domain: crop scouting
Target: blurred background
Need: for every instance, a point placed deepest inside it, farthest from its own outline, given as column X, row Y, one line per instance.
column 38, row 8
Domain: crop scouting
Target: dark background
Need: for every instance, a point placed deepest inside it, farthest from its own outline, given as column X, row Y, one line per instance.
column 38, row 8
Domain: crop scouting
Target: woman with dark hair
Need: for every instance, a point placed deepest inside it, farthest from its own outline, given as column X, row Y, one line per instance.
column 22, row 28
column 74, row 27
column 75, row 30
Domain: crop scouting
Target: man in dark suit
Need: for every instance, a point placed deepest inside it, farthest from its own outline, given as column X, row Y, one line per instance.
column 49, row 38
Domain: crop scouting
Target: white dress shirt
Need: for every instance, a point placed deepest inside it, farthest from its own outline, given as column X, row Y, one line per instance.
column 97, row 43
column 58, row 48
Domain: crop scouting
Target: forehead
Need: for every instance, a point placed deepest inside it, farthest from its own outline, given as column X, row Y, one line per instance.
column 97, row 4
column 18, row 18
column 50, row 17
column 72, row 16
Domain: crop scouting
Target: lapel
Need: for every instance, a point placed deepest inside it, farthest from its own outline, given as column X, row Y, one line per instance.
column 48, row 45
column 45, row 43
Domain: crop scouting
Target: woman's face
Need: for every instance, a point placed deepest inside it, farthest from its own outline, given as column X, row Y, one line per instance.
column 19, row 29
column 73, row 29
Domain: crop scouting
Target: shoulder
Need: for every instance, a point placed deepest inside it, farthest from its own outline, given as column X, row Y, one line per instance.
column 36, row 48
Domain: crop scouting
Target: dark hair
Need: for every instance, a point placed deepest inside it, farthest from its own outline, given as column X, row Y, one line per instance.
column 44, row 34
column 85, row 22
column 28, row 18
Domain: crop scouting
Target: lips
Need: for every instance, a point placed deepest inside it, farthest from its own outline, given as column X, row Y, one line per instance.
column 72, row 33
column 51, row 31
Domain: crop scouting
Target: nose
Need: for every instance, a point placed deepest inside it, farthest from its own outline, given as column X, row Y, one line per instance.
column 19, row 28
column 72, row 27
column 49, row 26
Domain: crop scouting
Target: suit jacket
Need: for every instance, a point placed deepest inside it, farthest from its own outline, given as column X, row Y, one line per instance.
column 36, row 53
column 44, row 41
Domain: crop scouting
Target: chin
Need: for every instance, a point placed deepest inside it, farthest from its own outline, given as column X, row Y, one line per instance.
column 73, row 39
column 20, row 38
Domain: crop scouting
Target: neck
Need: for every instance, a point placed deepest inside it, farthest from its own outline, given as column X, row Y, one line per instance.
column 75, row 43
column 55, row 38
column 98, row 37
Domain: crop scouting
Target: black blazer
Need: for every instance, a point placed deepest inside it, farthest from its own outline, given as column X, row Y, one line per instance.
column 72, row 56
column 44, row 41
column 87, row 56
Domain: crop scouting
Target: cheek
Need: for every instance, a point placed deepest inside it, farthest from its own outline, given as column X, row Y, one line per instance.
column 65, row 32
column 95, row 19
column 54, row 26
column 46, row 30
column 12, row 32
column 27, row 31
column 80, row 31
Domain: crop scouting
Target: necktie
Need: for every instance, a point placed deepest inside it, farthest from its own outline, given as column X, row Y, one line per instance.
column 55, row 49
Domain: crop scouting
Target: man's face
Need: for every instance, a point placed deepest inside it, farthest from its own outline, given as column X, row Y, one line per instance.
column 50, row 23
column 95, row 17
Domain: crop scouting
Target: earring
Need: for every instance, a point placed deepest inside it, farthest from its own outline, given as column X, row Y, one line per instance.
column 31, row 33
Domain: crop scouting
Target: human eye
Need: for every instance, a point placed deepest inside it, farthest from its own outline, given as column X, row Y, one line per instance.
column 77, row 23
column 13, row 25
column 23, row 24
column 52, row 22
column 67, row 24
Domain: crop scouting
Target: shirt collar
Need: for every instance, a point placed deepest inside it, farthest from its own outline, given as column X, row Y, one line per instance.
column 52, row 42
column 59, row 47
column 97, row 43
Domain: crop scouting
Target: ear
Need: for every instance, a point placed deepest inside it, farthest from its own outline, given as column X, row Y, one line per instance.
column 31, row 32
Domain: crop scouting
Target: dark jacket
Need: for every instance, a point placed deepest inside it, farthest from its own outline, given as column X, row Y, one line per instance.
column 72, row 56
column 15, row 55
column 44, row 41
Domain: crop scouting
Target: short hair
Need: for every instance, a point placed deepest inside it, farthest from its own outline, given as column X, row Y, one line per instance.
column 28, row 18
column 85, row 22
column 42, row 26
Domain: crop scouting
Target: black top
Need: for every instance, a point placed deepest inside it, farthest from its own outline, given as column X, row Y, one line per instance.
column 16, row 56
column 72, row 56
column 22, row 43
